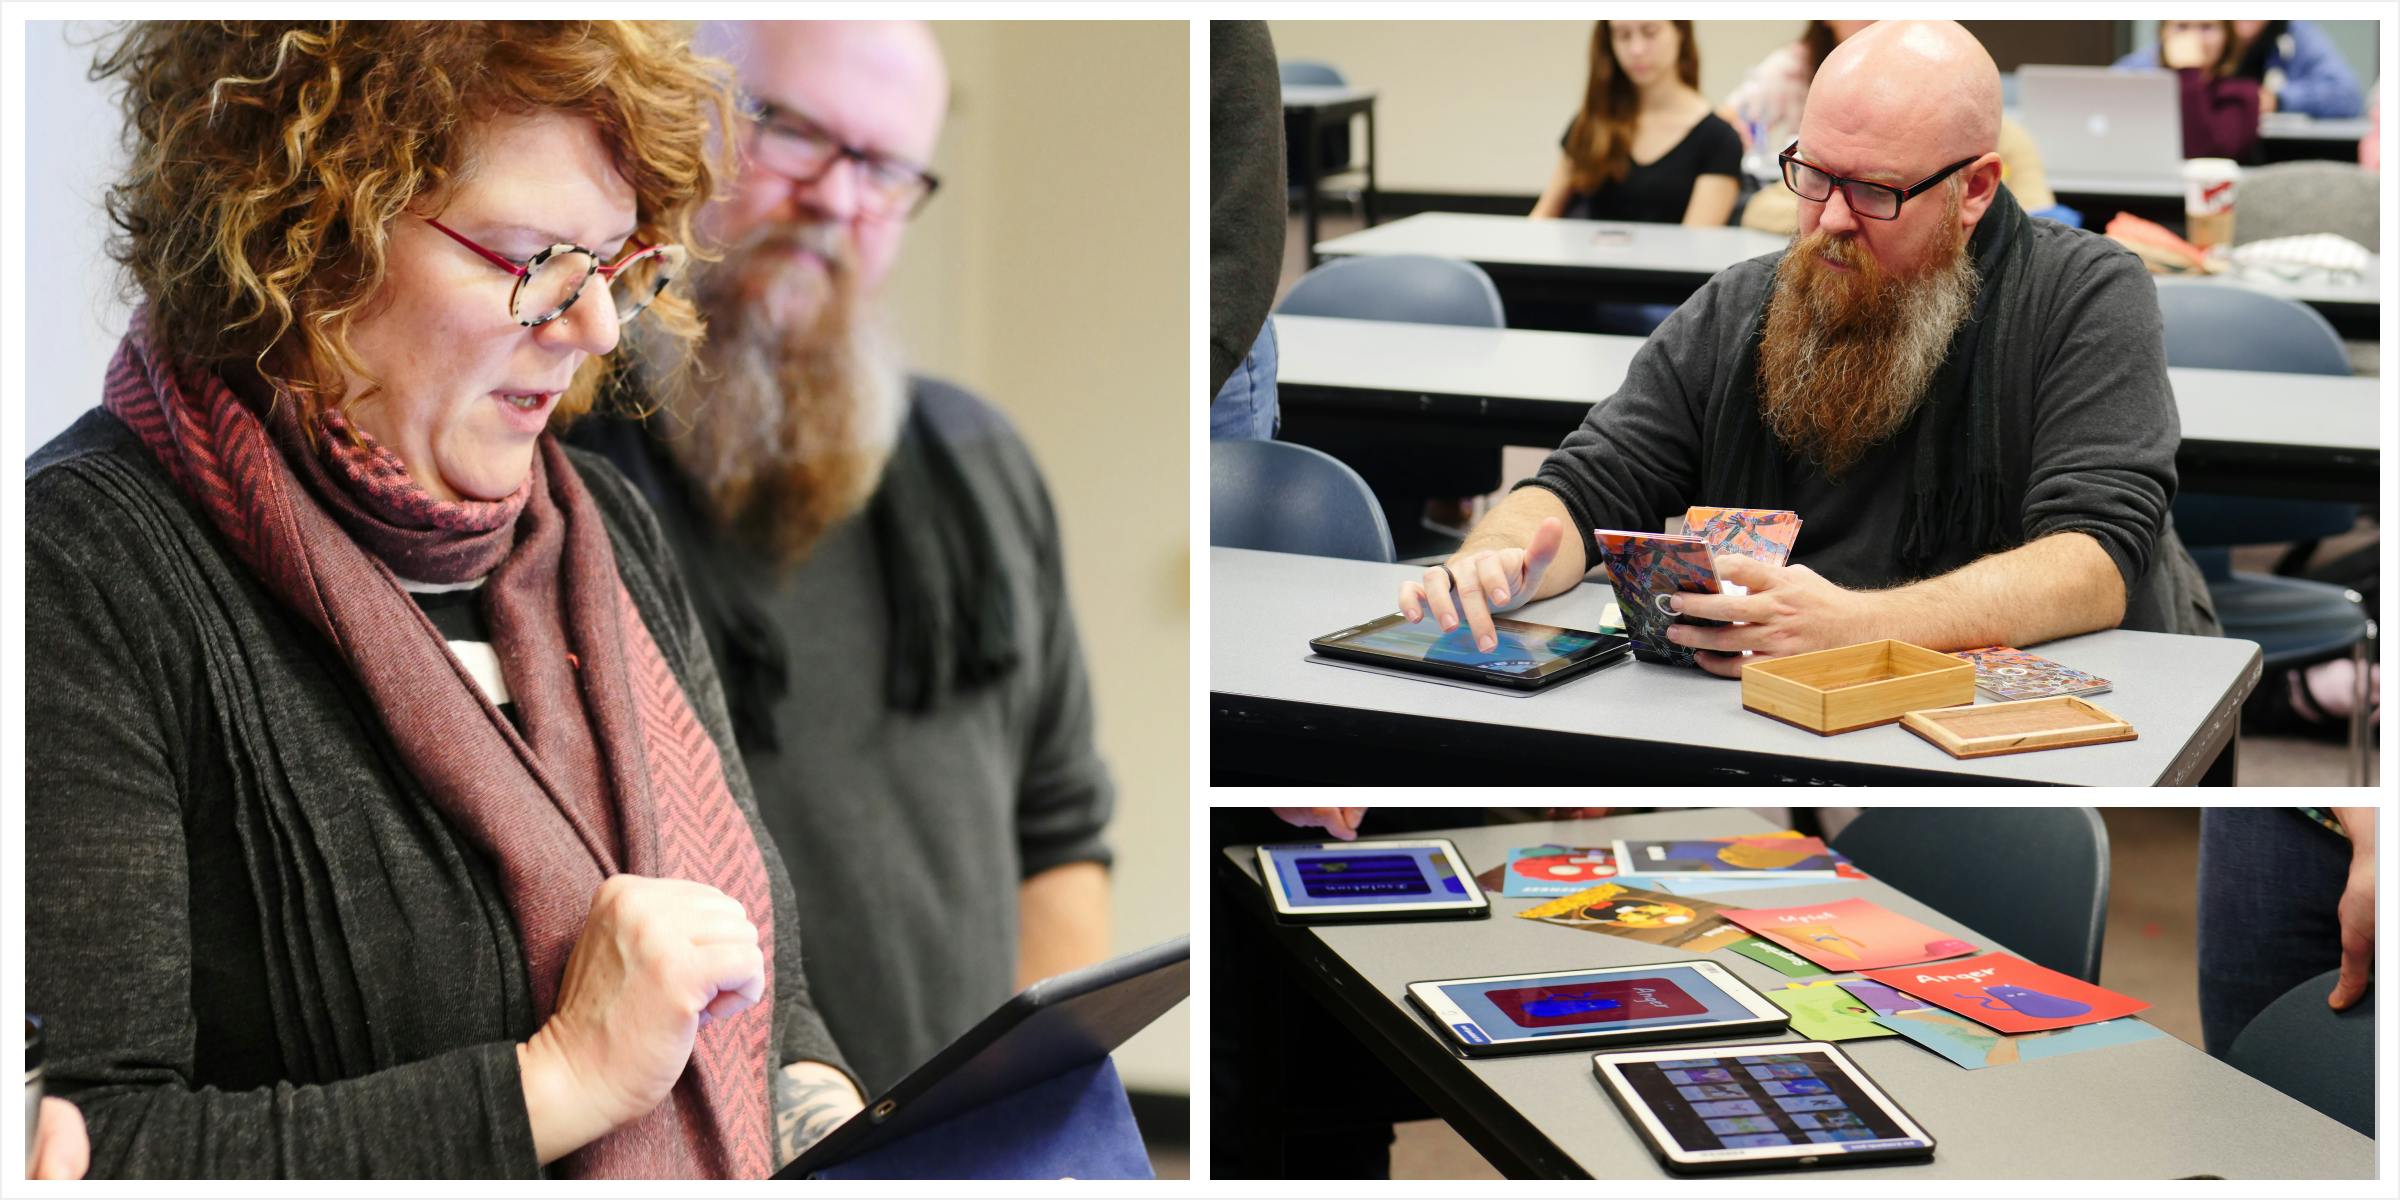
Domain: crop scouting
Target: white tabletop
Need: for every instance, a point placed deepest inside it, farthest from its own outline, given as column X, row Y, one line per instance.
column 2315, row 288
column 1315, row 95
column 1578, row 370
column 2157, row 1109
column 1597, row 246
column 2181, row 694
column 2136, row 187
column 2300, row 127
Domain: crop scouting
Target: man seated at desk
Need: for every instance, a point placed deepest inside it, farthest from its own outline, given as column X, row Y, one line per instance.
column 1968, row 408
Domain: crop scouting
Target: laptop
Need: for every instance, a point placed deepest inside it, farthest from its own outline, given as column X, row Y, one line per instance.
column 2103, row 124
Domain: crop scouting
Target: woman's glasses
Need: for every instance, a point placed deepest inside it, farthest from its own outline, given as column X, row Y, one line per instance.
column 550, row 282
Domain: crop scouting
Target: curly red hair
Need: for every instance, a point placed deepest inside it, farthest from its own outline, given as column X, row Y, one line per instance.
column 269, row 158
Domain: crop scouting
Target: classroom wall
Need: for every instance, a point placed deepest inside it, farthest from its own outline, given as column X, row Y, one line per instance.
column 2355, row 40
column 1051, row 275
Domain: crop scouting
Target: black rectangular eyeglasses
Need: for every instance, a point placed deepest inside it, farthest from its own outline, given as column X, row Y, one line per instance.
column 1879, row 201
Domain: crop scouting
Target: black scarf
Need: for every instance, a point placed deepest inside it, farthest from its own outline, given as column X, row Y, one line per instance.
column 1957, row 494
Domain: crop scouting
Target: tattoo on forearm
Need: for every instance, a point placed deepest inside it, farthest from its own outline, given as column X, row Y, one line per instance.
column 806, row 1110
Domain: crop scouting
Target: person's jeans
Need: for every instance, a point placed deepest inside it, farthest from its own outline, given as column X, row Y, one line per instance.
column 1245, row 406
column 2270, row 883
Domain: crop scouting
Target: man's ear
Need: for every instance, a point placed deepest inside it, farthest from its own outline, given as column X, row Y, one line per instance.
column 1983, row 185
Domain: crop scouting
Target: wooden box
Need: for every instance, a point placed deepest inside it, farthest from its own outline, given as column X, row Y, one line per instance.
column 2016, row 727
column 1853, row 687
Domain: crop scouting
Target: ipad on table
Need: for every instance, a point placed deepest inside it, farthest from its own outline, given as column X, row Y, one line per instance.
column 1391, row 879
column 1528, row 655
column 1056, row 1025
column 1776, row 1105
column 1548, row 1011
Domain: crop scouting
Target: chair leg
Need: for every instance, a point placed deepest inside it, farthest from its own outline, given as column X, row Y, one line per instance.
column 2362, row 698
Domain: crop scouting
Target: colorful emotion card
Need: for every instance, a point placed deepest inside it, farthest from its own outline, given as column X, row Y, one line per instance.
column 1556, row 870
column 1788, row 854
column 1881, row 997
column 1647, row 570
column 1826, row 1013
column 1765, row 534
column 1974, row 1047
column 1760, row 950
column 2005, row 673
column 1684, row 922
column 2008, row 993
column 1849, row 935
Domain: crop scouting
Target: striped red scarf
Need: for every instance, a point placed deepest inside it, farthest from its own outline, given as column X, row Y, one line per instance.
column 613, row 771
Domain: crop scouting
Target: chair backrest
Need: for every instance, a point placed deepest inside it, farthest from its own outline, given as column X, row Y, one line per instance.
column 2282, row 199
column 2232, row 328
column 1303, row 72
column 2034, row 878
column 2235, row 329
column 1398, row 287
column 1292, row 498
column 2321, row 1058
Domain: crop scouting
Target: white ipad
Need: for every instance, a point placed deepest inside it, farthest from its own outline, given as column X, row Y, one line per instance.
column 1570, row 1010
column 1387, row 880
column 1771, row 1105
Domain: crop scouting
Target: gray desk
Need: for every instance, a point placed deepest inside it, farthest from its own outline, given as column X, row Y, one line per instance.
column 2285, row 136
column 2244, row 432
column 2159, row 1109
column 1578, row 261
column 1277, row 715
column 1308, row 111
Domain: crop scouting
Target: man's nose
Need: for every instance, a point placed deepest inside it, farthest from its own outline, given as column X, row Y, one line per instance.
column 1837, row 216
column 833, row 196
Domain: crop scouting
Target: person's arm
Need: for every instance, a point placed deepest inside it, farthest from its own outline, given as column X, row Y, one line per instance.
column 1712, row 201
column 1246, row 199
column 1554, row 194
column 2357, row 909
column 1062, row 921
column 1342, row 823
column 2316, row 79
column 811, row 1099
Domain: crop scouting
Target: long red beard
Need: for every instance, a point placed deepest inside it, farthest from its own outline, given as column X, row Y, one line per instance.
column 1846, row 356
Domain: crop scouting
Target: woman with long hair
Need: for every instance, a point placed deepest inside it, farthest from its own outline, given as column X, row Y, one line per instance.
column 382, row 813
column 1644, row 146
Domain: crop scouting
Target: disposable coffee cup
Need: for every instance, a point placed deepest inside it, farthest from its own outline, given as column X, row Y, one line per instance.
column 2209, row 185
column 33, row 1079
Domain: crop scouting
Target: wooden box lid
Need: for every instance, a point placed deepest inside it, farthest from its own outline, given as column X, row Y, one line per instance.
column 2050, row 723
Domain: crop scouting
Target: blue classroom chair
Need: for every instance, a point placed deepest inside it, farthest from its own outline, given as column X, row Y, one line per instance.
column 1293, row 499
column 2035, row 878
column 2321, row 1058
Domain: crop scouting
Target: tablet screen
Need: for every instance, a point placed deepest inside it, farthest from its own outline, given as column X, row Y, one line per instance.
column 1590, row 1002
column 1524, row 649
column 1351, row 876
column 1741, row 1102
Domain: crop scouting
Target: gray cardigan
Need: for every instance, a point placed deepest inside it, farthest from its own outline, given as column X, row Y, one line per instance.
column 258, row 947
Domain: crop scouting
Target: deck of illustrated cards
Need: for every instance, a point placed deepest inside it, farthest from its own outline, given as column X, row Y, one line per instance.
column 1850, row 935
column 2005, row 673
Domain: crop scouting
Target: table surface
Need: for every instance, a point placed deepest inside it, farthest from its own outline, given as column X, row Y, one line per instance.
column 1578, row 370
column 2181, row 694
column 2318, row 288
column 2300, row 127
column 2155, row 1109
column 1584, row 245
column 1314, row 95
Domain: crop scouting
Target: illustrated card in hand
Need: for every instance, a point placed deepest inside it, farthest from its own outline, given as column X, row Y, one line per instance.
column 1849, row 935
column 1683, row 922
column 1556, row 870
column 2005, row 673
column 2008, row 993
column 1765, row 534
column 1646, row 569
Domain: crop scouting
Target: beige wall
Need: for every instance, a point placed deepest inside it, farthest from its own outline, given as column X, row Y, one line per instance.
column 1052, row 275
column 1478, row 106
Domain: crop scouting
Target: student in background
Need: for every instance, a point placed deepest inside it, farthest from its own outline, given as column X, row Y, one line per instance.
column 2220, row 105
column 1645, row 147
column 1765, row 109
column 2295, row 63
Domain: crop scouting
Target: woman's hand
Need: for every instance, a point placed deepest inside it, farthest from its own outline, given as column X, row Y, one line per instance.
column 62, row 1148
column 1340, row 822
column 657, row 959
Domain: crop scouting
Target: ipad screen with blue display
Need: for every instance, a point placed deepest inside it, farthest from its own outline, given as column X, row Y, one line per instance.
column 1355, row 878
column 1678, row 995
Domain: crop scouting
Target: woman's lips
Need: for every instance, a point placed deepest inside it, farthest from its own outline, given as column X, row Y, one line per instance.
column 526, row 412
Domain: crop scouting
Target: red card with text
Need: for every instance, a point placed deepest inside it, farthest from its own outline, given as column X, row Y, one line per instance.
column 1849, row 935
column 2008, row 993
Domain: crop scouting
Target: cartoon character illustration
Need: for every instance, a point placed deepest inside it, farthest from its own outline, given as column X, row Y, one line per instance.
column 1638, row 915
column 1570, row 1004
column 1567, row 866
column 1828, row 939
column 2024, row 1001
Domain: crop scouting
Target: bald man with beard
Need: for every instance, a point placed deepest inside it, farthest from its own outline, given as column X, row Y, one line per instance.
column 1968, row 407
column 875, row 563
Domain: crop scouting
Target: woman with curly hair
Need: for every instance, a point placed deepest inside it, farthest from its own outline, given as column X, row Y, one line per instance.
column 382, row 815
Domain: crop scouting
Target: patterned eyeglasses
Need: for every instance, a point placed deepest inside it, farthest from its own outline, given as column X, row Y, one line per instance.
column 550, row 282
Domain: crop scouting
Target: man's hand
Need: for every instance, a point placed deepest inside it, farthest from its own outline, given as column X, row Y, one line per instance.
column 1789, row 610
column 1476, row 583
column 2357, row 909
column 1340, row 822
column 61, row 1148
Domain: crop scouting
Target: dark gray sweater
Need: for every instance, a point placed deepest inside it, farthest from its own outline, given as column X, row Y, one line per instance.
column 2088, row 429
column 258, row 947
